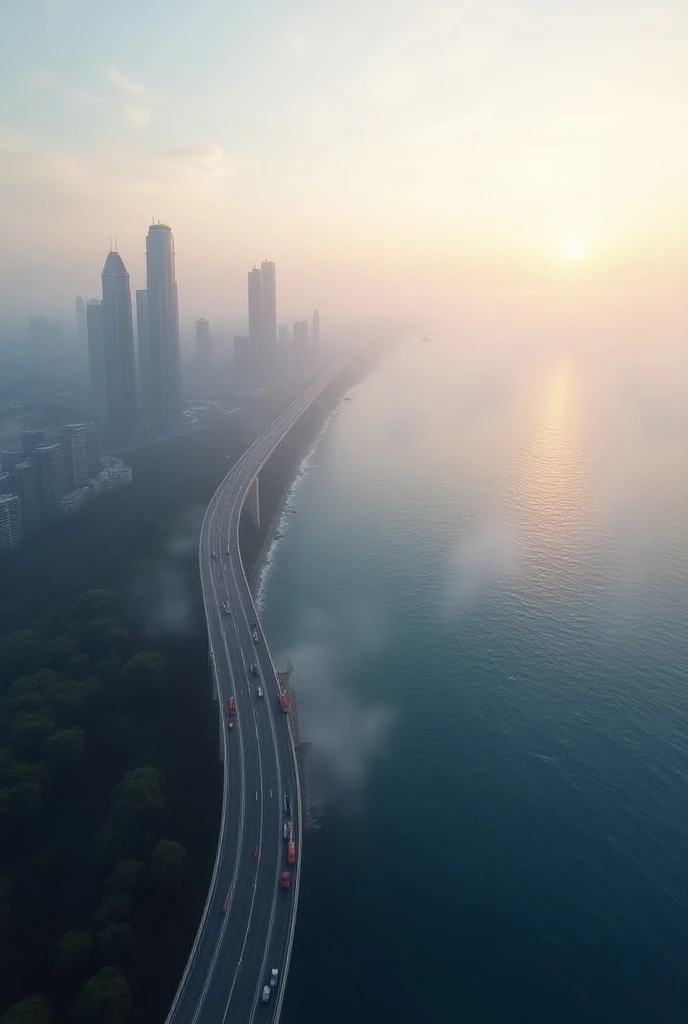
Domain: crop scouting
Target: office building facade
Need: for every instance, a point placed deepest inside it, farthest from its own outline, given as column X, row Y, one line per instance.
column 118, row 345
column 75, row 443
column 10, row 523
column 268, row 314
column 204, row 346
column 52, row 479
column 163, row 402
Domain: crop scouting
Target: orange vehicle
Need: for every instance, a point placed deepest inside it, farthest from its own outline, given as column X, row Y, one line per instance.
column 285, row 879
column 227, row 899
column 230, row 723
column 291, row 853
column 284, row 701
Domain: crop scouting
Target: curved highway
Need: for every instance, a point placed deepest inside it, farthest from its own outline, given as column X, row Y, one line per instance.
column 248, row 921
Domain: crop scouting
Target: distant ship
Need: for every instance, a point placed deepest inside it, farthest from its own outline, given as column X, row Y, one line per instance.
column 426, row 339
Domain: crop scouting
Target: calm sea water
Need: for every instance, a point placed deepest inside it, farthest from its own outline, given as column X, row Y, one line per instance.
column 482, row 584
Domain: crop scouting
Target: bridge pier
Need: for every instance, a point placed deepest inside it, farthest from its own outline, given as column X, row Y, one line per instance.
column 253, row 502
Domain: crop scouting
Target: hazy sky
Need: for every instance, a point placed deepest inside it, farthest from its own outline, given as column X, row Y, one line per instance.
column 387, row 154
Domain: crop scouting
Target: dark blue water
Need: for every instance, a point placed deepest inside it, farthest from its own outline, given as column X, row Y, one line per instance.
column 484, row 594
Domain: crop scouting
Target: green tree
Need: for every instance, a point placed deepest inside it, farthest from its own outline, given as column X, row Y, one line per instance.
column 66, row 746
column 28, row 692
column 13, row 770
column 31, row 730
column 60, row 651
column 105, row 636
column 74, row 951
column 104, row 999
column 114, row 907
column 139, row 798
column 34, row 1010
column 96, row 604
column 78, row 667
column 126, row 875
column 71, row 701
column 143, row 676
column 114, row 942
column 24, row 801
column 111, row 845
column 167, row 864
column 21, row 653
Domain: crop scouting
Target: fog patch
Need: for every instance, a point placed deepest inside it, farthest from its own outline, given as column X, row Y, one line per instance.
column 481, row 562
column 162, row 592
column 344, row 733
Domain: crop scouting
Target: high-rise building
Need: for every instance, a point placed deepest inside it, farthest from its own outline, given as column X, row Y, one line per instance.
column 96, row 354
column 6, row 486
column 10, row 523
column 301, row 337
column 255, row 320
column 142, row 348
column 52, row 478
column 315, row 333
column 81, row 336
column 204, row 346
column 27, row 487
column 164, row 404
column 282, row 337
column 268, row 313
column 30, row 439
column 75, row 442
column 118, row 340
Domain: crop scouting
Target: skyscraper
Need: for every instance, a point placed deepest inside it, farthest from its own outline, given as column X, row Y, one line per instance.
column 96, row 354
column 143, row 349
column 118, row 343
column 268, row 313
column 52, row 478
column 80, row 321
column 75, row 442
column 204, row 346
column 164, row 403
column 10, row 523
column 255, row 319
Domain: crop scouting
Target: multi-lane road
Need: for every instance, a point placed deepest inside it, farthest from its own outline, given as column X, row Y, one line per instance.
column 236, row 948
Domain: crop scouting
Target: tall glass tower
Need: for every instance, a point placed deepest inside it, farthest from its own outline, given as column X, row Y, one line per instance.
column 164, row 399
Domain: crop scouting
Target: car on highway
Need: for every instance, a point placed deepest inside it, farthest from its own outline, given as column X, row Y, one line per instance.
column 256, row 852
column 214, row 554
column 274, row 975
column 259, row 691
column 230, row 723
column 254, row 636
column 267, row 992
column 231, row 705
column 285, row 880
column 255, row 671
column 287, row 802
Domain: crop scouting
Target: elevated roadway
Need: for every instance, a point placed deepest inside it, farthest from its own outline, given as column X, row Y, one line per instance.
column 248, row 922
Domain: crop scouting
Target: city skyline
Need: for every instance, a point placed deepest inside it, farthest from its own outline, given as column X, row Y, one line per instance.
column 463, row 158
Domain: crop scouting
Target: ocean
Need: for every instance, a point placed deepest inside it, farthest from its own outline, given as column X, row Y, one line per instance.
column 481, row 581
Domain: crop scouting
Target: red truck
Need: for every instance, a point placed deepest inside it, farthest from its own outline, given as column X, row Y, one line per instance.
column 231, row 706
column 284, row 701
column 291, row 853
column 285, row 880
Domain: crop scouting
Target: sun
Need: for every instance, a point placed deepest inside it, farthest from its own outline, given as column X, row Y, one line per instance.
column 574, row 251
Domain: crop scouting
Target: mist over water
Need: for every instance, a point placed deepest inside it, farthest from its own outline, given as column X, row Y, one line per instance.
column 483, row 593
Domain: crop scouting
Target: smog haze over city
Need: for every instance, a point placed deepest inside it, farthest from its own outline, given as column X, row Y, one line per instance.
column 343, row 512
